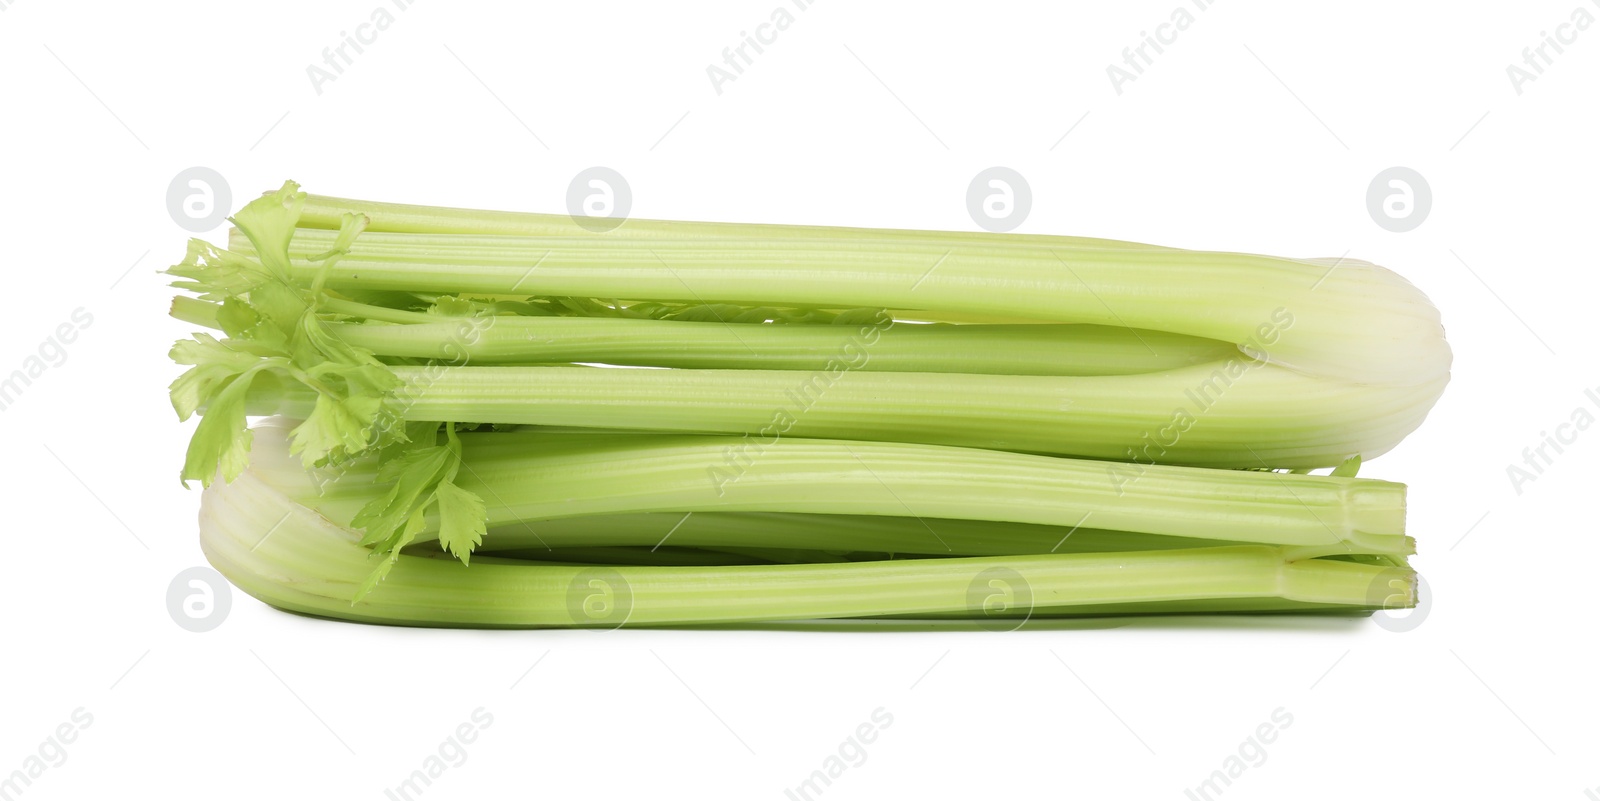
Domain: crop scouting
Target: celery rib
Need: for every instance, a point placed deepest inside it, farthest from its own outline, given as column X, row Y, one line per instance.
column 1051, row 349
column 979, row 349
column 823, row 532
column 533, row 476
column 1266, row 417
column 324, row 212
column 1299, row 314
column 312, row 566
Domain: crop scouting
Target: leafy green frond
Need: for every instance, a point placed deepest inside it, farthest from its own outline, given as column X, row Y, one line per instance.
column 461, row 520
column 421, row 478
column 269, row 222
column 237, row 317
column 335, row 429
column 221, row 442
column 273, row 324
column 453, row 306
column 214, row 363
column 216, row 274
column 413, row 526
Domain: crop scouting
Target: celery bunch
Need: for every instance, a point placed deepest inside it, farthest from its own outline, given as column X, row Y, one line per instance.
column 842, row 422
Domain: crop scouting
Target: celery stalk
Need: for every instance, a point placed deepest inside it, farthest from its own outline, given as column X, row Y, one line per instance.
column 535, row 476
column 322, row 211
column 292, row 558
column 1266, row 416
column 1351, row 321
column 821, row 532
column 984, row 349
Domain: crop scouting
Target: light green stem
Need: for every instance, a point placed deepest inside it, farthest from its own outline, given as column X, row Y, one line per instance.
column 533, row 476
column 1261, row 416
column 983, row 349
column 325, row 212
column 823, row 532
column 292, row 558
column 1350, row 320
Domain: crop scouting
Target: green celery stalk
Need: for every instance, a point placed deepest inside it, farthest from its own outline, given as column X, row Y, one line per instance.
column 1266, row 416
column 823, row 533
column 322, row 211
column 535, row 476
column 1347, row 320
column 982, row 349
column 667, row 556
column 1050, row 349
column 292, row 558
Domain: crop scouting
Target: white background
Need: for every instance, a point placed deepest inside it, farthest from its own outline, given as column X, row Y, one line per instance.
column 1259, row 129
